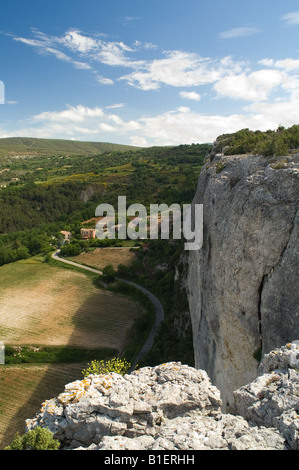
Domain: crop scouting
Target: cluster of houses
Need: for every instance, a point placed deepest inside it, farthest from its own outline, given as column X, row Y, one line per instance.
column 89, row 233
column 86, row 233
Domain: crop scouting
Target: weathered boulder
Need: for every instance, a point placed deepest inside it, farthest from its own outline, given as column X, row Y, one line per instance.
column 175, row 407
column 273, row 398
column 243, row 285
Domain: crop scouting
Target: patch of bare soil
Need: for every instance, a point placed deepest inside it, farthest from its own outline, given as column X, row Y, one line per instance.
column 101, row 257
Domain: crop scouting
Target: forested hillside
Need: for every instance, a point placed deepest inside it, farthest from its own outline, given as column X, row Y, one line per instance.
column 44, row 195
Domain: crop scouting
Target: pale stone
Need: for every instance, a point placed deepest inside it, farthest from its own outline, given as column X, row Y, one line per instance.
column 243, row 285
column 175, row 407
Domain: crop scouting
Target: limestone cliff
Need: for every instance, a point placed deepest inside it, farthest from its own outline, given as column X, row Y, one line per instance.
column 175, row 407
column 243, row 285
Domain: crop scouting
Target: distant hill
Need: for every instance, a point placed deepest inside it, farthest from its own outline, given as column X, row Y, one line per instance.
column 15, row 146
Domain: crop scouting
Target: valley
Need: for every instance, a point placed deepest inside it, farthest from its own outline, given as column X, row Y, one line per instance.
column 54, row 318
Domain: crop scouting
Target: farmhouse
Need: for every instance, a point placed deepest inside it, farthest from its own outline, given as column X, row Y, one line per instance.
column 87, row 233
column 66, row 235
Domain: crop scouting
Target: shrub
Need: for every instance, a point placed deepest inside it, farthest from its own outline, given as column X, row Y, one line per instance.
column 36, row 439
column 219, row 167
column 120, row 366
column 279, row 165
column 257, row 355
column 71, row 249
column 108, row 273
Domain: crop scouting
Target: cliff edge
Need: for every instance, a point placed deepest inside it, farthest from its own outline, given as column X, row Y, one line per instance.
column 175, row 407
column 243, row 285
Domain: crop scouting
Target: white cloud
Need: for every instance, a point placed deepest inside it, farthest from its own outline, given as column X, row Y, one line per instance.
column 190, row 95
column 64, row 57
column 292, row 18
column 255, row 86
column 179, row 126
column 139, row 141
column 185, row 126
column 270, row 115
column 114, row 106
column 29, row 42
column 239, row 32
column 114, row 54
column 175, row 68
column 80, row 122
column 285, row 64
column 103, row 80
column 72, row 113
column 74, row 46
column 288, row 64
column 76, row 41
column 127, row 20
column 289, row 69
column 181, row 69
column 267, row 62
column 43, row 47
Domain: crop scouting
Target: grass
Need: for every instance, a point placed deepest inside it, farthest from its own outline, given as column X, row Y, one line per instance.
column 35, row 354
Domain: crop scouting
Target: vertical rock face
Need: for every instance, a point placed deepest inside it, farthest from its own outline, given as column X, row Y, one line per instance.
column 243, row 285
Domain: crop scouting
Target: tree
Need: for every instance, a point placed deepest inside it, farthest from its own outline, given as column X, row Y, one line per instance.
column 109, row 273
column 36, row 439
column 71, row 249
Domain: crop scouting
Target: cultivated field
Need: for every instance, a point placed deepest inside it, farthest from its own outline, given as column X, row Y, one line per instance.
column 42, row 304
column 101, row 257
column 23, row 388
column 48, row 305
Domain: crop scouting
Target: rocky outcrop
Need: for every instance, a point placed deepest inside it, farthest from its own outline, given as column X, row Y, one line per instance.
column 175, row 407
column 273, row 398
column 243, row 285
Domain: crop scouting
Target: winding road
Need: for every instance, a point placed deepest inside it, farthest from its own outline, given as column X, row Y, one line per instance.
column 157, row 304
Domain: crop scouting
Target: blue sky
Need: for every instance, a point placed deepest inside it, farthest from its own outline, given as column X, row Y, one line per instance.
column 146, row 73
